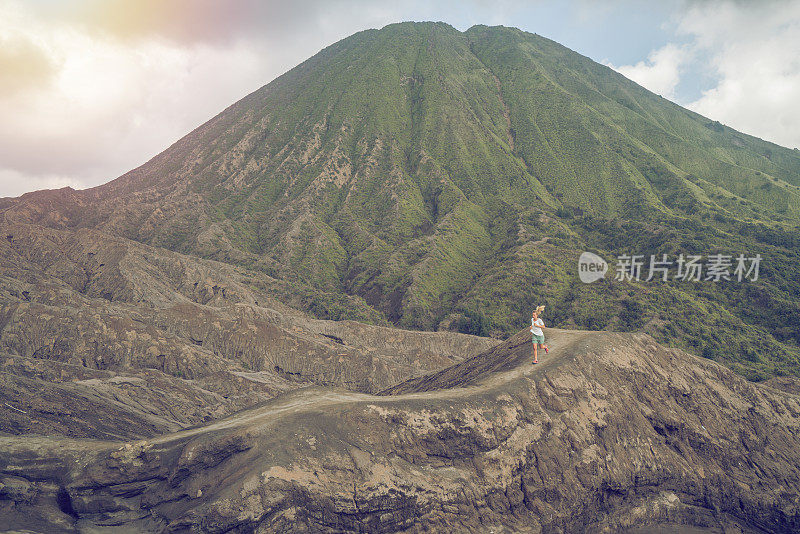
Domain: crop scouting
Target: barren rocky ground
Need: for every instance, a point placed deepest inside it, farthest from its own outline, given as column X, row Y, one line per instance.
column 103, row 337
column 609, row 432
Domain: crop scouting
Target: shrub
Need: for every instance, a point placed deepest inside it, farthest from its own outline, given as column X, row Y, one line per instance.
column 473, row 323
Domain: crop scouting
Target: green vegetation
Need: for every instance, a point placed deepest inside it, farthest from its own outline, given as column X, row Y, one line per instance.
column 427, row 177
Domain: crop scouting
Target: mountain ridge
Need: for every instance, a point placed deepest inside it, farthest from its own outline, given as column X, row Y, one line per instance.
column 610, row 432
column 426, row 174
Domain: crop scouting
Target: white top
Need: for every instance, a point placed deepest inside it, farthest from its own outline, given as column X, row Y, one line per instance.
column 535, row 326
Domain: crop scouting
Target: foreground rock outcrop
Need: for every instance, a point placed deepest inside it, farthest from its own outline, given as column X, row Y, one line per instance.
column 610, row 432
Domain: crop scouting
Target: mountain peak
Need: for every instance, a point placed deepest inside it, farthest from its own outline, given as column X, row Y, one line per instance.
column 411, row 166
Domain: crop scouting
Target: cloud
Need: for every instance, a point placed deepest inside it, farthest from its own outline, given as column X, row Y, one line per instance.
column 751, row 52
column 182, row 21
column 660, row 73
column 16, row 183
column 755, row 50
column 213, row 21
column 108, row 105
column 23, row 65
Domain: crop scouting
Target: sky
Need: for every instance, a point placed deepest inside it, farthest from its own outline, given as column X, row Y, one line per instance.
column 90, row 89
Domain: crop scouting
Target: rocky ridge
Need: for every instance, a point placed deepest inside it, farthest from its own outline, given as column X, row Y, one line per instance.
column 104, row 337
column 610, row 432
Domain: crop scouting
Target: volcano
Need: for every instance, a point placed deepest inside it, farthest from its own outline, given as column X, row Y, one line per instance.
column 305, row 315
column 427, row 178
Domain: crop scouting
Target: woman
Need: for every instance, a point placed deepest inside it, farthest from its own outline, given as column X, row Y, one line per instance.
column 536, row 333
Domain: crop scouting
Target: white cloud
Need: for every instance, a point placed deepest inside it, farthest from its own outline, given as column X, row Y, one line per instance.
column 755, row 50
column 16, row 183
column 752, row 51
column 105, row 106
column 661, row 72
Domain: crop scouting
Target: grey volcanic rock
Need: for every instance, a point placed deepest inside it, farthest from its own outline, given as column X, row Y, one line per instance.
column 609, row 432
column 107, row 338
column 53, row 398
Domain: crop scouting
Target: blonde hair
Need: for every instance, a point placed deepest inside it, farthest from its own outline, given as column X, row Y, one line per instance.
column 538, row 310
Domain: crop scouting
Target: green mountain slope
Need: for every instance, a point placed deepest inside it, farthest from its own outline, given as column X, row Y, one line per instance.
column 435, row 179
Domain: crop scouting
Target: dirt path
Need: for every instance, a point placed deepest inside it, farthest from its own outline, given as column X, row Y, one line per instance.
column 504, row 363
column 518, row 357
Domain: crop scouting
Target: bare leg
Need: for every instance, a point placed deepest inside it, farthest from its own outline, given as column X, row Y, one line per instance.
column 535, row 353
